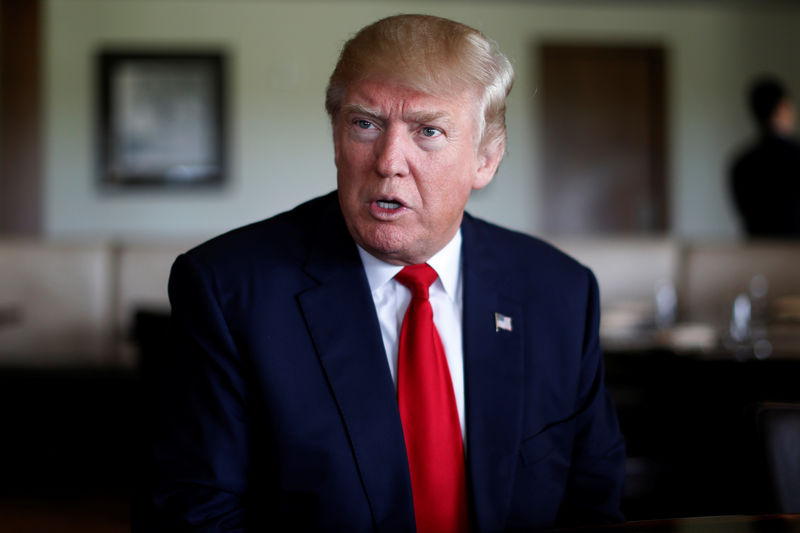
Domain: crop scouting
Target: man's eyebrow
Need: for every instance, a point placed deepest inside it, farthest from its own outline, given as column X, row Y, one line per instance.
column 419, row 117
column 361, row 110
column 423, row 117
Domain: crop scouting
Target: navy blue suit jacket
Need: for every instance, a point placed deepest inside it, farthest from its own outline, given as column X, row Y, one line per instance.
column 277, row 410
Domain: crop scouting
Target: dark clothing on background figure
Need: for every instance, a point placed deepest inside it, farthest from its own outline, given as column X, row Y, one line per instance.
column 766, row 187
column 277, row 407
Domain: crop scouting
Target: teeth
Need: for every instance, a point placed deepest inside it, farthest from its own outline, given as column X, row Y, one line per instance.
column 388, row 205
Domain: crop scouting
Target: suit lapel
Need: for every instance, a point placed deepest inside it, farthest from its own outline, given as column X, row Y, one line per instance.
column 493, row 370
column 341, row 318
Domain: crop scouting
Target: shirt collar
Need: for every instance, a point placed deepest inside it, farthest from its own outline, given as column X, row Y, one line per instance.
column 446, row 262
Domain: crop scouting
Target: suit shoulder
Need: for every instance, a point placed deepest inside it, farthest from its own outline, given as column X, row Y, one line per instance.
column 284, row 236
column 524, row 254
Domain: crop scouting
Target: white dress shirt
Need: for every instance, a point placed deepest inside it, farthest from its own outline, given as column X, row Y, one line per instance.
column 445, row 294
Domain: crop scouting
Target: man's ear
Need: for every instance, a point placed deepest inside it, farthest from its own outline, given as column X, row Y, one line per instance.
column 489, row 157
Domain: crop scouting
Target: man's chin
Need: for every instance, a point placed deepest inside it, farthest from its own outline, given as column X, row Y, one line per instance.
column 392, row 255
column 391, row 246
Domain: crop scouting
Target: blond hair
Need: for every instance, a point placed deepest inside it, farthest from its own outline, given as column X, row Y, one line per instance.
column 430, row 54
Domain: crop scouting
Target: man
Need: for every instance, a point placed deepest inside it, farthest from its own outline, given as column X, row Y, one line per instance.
column 765, row 178
column 296, row 395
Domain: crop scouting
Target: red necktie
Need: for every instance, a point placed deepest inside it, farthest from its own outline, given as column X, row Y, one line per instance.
column 429, row 415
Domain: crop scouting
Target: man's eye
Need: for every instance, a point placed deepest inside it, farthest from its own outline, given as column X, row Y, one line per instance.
column 364, row 124
column 431, row 132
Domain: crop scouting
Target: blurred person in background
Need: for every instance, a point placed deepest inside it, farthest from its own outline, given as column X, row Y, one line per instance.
column 765, row 177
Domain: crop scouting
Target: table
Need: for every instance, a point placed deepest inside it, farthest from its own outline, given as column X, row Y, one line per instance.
column 708, row 524
column 83, row 514
column 692, row 436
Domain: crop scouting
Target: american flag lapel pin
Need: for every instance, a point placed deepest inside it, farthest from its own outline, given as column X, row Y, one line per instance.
column 502, row 321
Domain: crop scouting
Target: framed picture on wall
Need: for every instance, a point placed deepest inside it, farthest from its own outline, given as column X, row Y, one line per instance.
column 161, row 118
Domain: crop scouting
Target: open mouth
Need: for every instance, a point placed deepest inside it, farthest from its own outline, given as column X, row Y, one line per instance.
column 389, row 204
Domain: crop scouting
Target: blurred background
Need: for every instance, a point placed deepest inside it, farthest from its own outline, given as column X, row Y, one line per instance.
column 131, row 130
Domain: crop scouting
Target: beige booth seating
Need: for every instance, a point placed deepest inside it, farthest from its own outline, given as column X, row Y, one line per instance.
column 74, row 304
column 627, row 269
column 716, row 273
column 142, row 284
column 54, row 303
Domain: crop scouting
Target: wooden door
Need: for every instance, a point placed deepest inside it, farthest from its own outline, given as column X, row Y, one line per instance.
column 603, row 139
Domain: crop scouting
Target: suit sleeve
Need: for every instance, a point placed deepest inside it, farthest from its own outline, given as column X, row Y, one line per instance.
column 200, row 428
column 597, row 471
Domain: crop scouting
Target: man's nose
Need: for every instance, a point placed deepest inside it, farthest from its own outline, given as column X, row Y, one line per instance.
column 390, row 157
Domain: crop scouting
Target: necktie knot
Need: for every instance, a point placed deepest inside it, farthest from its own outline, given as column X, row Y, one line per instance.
column 418, row 278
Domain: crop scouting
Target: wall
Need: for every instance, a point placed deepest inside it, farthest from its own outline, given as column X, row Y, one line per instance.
column 282, row 52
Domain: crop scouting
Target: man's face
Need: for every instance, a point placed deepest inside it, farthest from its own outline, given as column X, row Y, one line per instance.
column 406, row 163
column 784, row 118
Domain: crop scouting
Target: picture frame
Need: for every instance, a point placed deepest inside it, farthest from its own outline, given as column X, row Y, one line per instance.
column 161, row 119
